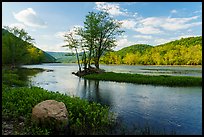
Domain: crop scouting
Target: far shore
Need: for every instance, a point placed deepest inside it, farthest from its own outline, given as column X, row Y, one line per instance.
column 129, row 65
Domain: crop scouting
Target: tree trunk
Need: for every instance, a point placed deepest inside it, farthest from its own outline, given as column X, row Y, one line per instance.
column 98, row 52
column 78, row 60
column 97, row 62
column 89, row 61
column 13, row 56
column 85, row 62
column 90, row 52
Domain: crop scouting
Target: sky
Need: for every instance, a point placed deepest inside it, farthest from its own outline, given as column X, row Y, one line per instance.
column 150, row 23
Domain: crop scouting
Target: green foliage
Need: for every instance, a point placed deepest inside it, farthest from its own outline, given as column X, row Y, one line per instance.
column 96, row 37
column 84, row 117
column 12, row 79
column 18, row 76
column 186, row 51
column 141, row 48
column 18, row 50
column 110, row 58
column 145, row 79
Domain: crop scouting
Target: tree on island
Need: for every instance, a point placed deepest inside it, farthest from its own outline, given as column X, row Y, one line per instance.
column 73, row 42
column 98, row 36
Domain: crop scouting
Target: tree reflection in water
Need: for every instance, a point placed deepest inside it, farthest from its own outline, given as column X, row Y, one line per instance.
column 90, row 90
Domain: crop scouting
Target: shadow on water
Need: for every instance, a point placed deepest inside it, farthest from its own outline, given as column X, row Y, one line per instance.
column 90, row 90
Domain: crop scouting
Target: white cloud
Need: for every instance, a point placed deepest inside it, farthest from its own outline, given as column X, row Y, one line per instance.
column 111, row 8
column 72, row 31
column 29, row 18
column 114, row 9
column 177, row 26
column 152, row 25
column 122, row 36
column 58, row 47
column 161, row 41
column 123, row 42
column 128, row 24
column 98, row 3
column 152, row 21
column 174, row 11
column 55, row 47
column 60, row 34
column 18, row 25
column 148, row 30
column 143, row 36
column 180, row 20
column 74, row 28
column 198, row 11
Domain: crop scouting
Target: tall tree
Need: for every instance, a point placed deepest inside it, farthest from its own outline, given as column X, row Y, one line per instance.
column 107, row 29
column 73, row 42
column 100, row 32
column 89, row 34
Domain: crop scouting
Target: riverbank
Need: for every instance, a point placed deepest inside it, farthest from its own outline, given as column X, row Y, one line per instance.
column 18, row 100
column 163, row 80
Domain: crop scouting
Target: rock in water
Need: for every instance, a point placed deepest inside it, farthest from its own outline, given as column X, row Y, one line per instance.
column 50, row 113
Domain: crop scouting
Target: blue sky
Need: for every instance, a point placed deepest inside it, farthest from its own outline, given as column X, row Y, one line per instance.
column 144, row 22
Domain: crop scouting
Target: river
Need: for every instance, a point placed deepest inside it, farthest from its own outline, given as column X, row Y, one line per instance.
column 176, row 109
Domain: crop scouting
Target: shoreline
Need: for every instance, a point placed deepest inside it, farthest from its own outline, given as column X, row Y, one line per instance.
column 200, row 66
column 16, row 115
column 162, row 80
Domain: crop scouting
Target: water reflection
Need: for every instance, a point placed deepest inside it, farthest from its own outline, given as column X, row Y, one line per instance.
column 177, row 108
column 90, row 90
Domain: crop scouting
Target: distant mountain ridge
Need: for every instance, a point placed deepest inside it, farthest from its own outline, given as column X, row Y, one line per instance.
column 64, row 57
column 190, row 41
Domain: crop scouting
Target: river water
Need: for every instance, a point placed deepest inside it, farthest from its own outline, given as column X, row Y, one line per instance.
column 176, row 109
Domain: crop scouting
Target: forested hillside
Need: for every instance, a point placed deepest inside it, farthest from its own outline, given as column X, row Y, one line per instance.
column 186, row 51
column 133, row 49
column 16, row 51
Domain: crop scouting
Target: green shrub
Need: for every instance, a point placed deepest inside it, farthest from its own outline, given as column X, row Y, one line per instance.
column 84, row 117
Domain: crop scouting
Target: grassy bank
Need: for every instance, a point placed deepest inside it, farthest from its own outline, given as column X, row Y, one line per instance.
column 84, row 117
column 145, row 79
column 18, row 77
column 18, row 100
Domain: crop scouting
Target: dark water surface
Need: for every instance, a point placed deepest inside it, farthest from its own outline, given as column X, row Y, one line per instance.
column 170, row 108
